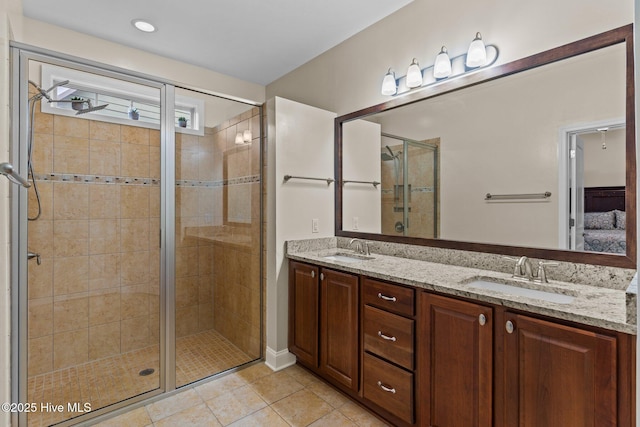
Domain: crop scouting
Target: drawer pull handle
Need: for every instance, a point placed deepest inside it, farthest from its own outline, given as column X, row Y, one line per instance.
column 385, row 388
column 386, row 298
column 386, row 337
column 313, row 274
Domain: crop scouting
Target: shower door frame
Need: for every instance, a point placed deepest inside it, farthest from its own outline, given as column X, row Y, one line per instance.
column 20, row 56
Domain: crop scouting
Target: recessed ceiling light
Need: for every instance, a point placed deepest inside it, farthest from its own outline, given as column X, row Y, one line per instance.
column 143, row 25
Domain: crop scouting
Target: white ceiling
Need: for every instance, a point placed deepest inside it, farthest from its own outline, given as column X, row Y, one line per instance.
column 254, row 40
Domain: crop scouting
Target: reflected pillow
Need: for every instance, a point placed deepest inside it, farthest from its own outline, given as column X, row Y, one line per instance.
column 599, row 220
column 621, row 219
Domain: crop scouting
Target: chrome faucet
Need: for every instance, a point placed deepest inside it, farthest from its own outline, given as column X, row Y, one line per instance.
column 361, row 247
column 523, row 269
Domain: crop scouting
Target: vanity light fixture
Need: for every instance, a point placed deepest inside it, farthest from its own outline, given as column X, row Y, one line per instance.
column 477, row 53
column 243, row 137
column 442, row 66
column 478, row 56
column 389, row 86
column 144, row 26
column 414, row 75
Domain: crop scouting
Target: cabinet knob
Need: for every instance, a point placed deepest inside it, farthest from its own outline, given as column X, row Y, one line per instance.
column 386, row 298
column 386, row 388
column 321, row 276
column 386, row 337
column 482, row 319
column 313, row 274
column 509, row 326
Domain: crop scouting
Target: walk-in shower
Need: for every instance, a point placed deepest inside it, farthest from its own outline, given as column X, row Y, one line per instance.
column 138, row 250
column 409, row 173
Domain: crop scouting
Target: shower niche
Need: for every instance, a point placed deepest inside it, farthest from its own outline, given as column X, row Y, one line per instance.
column 144, row 236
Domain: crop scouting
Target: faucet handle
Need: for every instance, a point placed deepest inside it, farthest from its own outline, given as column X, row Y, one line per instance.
column 542, row 273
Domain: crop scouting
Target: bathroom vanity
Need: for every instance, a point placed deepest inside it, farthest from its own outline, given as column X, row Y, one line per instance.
column 418, row 344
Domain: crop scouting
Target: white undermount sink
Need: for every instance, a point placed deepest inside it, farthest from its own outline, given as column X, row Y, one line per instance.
column 346, row 257
column 523, row 290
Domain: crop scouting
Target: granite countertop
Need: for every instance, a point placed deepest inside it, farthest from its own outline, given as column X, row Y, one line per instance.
column 592, row 305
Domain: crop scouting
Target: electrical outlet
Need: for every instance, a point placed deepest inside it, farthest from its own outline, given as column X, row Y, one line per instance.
column 315, row 227
column 355, row 222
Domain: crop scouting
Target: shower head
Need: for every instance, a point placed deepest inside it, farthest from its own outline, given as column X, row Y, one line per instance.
column 393, row 156
column 386, row 157
column 91, row 108
column 42, row 93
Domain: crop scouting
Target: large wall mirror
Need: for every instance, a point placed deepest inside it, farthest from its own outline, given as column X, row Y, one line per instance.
column 535, row 157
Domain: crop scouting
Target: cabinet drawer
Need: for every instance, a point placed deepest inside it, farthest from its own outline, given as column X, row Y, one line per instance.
column 389, row 297
column 389, row 387
column 389, row 336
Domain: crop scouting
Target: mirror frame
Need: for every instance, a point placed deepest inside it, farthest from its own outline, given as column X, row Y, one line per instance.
column 619, row 35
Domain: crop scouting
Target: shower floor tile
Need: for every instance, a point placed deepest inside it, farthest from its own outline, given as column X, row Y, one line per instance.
column 111, row 380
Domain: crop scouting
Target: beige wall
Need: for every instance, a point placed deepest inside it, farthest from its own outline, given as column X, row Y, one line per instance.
column 604, row 167
column 361, row 162
column 348, row 77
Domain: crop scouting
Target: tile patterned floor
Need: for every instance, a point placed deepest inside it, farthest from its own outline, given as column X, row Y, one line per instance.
column 107, row 381
column 252, row 397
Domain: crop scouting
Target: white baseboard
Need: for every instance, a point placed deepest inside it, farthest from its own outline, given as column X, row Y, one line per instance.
column 278, row 360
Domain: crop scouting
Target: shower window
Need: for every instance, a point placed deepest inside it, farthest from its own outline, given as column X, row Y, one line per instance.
column 123, row 102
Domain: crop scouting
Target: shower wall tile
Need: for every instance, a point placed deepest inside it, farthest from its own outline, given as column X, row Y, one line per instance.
column 104, row 131
column 154, row 138
column 70, row 201
column 43, row 122
column 104, row 236
column 70, row 312
column 104, row 340
column 95, row 242
column 134, row 160
column 70, row 155
column 134, row 301
column 40, row 318
column 134, row 268
column 40, row 278
column 134, row 234
column 43, row 152
column 70, row 126
column 134, row 333
column 134, row 135
column 104, row 271
column 70, row 275
column 40, row 237
column 40, row 355
column 70, row 348
column 70, row 238
column 104, row 306
column 187, row 291
column 104, row 201
column 134, row 201
column 45, row 189
column 104, row 158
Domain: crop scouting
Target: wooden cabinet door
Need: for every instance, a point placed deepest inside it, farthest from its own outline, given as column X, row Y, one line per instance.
column 339, row 327
column 304, row 305
column 558, row 376
column 455, row 362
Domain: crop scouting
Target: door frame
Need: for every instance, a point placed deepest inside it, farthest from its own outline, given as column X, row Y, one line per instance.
column 20, row 57
column 564, row 170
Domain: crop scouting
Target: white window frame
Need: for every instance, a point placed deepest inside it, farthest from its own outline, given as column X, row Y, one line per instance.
column 52, row 74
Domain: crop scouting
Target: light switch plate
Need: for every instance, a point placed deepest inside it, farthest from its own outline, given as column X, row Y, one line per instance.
column 355, row 222
column 315, row 227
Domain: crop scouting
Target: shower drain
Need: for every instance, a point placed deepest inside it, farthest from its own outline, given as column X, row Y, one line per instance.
column 146, row 372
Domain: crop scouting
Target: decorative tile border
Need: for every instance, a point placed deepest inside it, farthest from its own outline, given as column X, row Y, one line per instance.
column 98, row 179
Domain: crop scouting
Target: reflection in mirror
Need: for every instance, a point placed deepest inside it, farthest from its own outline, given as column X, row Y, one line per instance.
column 558, row 128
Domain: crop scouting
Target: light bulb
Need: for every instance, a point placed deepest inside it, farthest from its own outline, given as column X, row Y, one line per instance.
column 389, row 86
column 246, row 136
column 414, row 75
column 442, row 66
column 239, row 138
column 477, row 54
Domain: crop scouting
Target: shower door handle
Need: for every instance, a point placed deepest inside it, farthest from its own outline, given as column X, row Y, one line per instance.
column 32, row 255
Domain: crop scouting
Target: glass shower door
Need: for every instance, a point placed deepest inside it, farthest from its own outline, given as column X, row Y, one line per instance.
column 218, row 234
column 93, row 279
